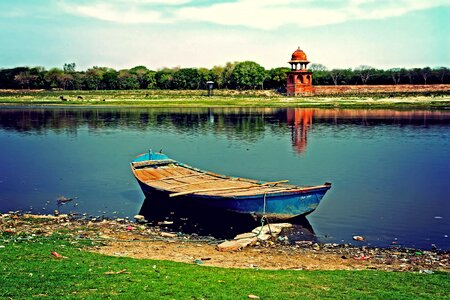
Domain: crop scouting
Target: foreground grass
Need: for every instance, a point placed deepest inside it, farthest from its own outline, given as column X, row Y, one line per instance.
column 29, row 270
column 224, row 98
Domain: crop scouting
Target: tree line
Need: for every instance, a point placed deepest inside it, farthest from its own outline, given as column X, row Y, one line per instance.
column 233, row 75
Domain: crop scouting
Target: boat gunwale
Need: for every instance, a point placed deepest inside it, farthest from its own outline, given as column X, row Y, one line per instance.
column 286, row 189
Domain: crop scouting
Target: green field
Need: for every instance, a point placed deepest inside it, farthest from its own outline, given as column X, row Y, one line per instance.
column 222, row 98
column 29, row 270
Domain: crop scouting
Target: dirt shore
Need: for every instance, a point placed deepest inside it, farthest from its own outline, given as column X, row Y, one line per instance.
column 124, row 238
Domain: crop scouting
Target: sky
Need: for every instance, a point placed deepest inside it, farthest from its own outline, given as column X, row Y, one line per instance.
column 198, row 33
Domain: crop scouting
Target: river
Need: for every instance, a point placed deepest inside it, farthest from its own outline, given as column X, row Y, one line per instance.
column 390, row 169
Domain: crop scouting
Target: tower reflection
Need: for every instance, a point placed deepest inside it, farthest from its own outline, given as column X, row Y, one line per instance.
column 300, row 120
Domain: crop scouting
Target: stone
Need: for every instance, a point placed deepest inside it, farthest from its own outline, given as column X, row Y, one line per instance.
column 168, row 234
column 229, row 246
column 245, row 235
column 247, row 242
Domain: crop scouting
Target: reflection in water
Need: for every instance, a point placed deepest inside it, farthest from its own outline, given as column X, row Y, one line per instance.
column 246, row 124
column 376, row 160
column 208, row 221
column 301, row 121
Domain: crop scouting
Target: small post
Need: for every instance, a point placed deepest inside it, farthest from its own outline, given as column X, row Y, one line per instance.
column 210, row 85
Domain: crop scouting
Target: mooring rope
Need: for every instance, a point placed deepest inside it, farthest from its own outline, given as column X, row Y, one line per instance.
column 264, row 217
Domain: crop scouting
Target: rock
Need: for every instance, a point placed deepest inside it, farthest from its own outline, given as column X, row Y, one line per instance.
column 168, row 234
column 140, row 218
column 272, row 228
column 247, row 242
column 229, row 246
column 358, row 238
column 245, row 235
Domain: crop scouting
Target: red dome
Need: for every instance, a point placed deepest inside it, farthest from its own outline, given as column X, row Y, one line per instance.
column 299, row 55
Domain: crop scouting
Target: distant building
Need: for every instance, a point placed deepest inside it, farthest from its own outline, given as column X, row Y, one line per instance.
column 299, row 80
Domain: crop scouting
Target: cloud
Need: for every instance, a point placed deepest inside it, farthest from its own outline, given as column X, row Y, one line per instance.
column 264, row 14
column 259, row 14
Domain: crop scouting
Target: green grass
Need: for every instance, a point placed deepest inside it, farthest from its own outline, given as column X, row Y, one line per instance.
column 224, row 98
column 28, row 270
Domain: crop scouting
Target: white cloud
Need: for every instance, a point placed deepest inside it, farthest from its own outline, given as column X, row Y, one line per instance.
column 264, row 14
column 259, row 14
column 112, row 13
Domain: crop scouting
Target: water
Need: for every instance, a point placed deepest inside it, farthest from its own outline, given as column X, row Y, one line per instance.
column 390, row 169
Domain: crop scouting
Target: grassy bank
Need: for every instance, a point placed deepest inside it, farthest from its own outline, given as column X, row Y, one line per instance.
column 226, row 98
column 29, row 269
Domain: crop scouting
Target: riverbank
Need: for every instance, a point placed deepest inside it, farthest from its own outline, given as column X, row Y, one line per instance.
column 433, row 97
column 124, row 238
column 56, row 256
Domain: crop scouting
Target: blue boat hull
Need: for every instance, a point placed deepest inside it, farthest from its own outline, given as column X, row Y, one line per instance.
column 278, row 206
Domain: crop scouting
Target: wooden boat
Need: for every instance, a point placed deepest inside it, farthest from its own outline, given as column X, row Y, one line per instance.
column 158, row 176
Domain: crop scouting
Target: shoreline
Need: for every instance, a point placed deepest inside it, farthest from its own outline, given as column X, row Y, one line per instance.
column 124, row 238
column 428, row 97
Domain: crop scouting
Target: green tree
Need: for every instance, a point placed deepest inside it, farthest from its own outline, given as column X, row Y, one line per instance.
column 110, row 79
column 186, row 78
column 51, row 77
column 69, row 68
column 94, row 77
column 217, row 75
column 204, row 75
column 228, row 74
column 248, row 74
column 127, row 80
column 164, row 78
column 276, row 78
column 141, row 73
column 151, row 80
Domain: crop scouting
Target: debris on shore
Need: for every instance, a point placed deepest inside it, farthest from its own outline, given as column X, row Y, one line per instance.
column 261, row 233
column 266, row 252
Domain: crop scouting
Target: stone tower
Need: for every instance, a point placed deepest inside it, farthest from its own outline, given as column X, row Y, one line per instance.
column 299, row 80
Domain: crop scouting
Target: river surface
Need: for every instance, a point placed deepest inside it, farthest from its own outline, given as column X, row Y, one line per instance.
column 390, row 169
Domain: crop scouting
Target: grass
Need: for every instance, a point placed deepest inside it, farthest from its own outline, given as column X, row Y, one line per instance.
column 29, row 270
column 224, row 98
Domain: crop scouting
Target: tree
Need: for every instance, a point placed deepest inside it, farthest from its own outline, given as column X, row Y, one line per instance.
column 186, row 78
column 248, row 74
column 410, row 73
column 204, row 75
column 228, row 74
column 335, row 75
column 317, row 67
column 440, row 73
column 64, row 80
column 127, row 80
column 69, row 68
column 217, row 75
column 276, row 78
column 25, row 79
column 110, row 80
column 164, row 78
column 93, row 77
column 365, row 72
column 141, row 74
column 151, row 80
column 51, row 77
column 396, row 74
column 425, row 73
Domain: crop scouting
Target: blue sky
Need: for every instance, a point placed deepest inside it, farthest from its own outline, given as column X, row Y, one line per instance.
column 198, row 33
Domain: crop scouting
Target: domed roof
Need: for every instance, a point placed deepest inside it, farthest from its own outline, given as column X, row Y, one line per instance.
column 298, row 55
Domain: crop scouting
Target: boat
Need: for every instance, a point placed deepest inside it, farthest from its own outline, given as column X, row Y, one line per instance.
column 162, row 177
